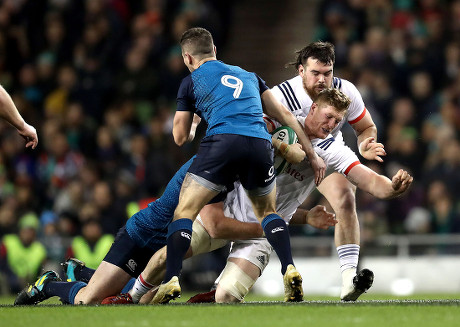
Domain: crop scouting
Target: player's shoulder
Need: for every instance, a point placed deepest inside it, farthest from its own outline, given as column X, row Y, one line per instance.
column 329, row 147
column 292, row 92
column 345, row 86
column 324, row 144
column 294, row 85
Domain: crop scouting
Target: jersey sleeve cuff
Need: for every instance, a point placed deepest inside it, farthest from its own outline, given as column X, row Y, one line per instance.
column 350, row 167
column 354, row 121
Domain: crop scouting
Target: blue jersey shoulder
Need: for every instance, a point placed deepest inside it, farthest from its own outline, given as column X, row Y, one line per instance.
column 227, row 97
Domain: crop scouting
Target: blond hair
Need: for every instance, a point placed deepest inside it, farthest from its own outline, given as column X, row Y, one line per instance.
column 334, row 98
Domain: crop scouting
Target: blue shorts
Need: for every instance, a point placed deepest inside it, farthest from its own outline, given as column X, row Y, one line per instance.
column 225, row 158
column 125, row 254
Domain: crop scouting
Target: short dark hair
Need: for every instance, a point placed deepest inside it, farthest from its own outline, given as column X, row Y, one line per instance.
column 335, row 98
column 198, row 42
column 323, row 51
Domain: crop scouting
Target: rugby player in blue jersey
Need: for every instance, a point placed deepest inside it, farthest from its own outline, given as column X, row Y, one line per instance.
column 143, row 235
column 237, row 145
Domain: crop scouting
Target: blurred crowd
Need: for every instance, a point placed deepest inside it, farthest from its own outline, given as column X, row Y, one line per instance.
column 98, row 79
column 404, row 57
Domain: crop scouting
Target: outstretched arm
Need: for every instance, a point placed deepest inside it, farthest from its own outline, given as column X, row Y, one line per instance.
column 219, row 226
column 278, row 111
column 10, row 113
column 317, row 217
column 378, row 185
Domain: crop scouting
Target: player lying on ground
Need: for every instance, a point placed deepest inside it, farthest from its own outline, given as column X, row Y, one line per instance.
column 294, row 185
column 144, row 233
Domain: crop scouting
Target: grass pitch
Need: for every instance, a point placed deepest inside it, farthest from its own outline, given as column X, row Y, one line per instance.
column 372, row 311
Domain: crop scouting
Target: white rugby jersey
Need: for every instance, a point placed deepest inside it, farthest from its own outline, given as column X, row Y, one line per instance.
column 296, row 182
column 292, row 94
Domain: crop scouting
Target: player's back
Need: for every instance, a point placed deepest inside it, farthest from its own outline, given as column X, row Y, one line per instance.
column 149, row 226
column 228, row 98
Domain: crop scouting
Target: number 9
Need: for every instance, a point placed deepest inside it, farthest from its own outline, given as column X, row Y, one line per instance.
column 238, row 86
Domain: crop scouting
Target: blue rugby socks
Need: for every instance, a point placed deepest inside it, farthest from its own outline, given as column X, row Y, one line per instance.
column 65, row 290
column 277, row 234
column 178, row 242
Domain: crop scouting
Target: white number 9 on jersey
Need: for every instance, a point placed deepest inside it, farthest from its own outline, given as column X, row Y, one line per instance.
column 234, row 83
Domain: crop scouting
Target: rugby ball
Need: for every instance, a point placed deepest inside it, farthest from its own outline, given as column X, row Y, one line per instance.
column 286, row 135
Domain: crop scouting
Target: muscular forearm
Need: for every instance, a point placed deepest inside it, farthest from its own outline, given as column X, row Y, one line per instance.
column 370, row 131
column 300, row 217
column 367, row 180
column 8, row 110
column 231, row 229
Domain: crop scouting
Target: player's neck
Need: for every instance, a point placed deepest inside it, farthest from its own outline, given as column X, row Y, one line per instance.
column 308, row 132
column 202, row 61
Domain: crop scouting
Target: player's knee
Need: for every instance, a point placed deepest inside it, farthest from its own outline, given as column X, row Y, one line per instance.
column 85, row 297
column 234, row 284
column 222, row 296
column 343, row 201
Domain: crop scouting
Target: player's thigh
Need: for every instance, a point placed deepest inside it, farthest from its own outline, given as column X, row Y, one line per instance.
column 255, row 167
column 124, row 260
column 107, row 280
column 339, row 192
column 263, row 205
column 194, row 195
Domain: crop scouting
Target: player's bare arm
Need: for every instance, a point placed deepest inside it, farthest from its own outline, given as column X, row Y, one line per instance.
column 219, row 226
column 279, row 112
column 183, row 121
column 317, row 217
column 10, row 113
column 196, row 121
column 378, row 185
column 366, row 133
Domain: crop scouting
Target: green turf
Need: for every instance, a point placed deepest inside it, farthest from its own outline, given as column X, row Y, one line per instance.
column 373, row 311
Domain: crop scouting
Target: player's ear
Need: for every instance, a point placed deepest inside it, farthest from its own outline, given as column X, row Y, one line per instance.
column 188, row 58
column 301, row 70
column 215, row 51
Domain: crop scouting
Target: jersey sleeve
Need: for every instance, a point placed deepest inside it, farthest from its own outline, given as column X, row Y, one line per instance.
column 281, row 95
column 336, row 155
column 262, row 86
column 357, row 108
column 185, row 98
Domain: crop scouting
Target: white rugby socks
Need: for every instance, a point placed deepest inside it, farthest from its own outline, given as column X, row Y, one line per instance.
column 139, row 289
column 348, row 257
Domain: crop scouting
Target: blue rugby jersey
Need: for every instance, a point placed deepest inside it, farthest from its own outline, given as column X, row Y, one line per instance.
column 149, row 226
column 226, row 97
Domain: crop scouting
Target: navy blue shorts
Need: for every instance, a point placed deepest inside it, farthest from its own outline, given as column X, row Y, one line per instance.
column 225, row 158
column 124, row 253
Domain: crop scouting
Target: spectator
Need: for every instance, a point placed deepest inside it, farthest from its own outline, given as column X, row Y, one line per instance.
column 22, row 255
column 92, row 246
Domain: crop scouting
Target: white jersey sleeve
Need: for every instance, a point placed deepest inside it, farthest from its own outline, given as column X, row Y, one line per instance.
column 357, row 109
